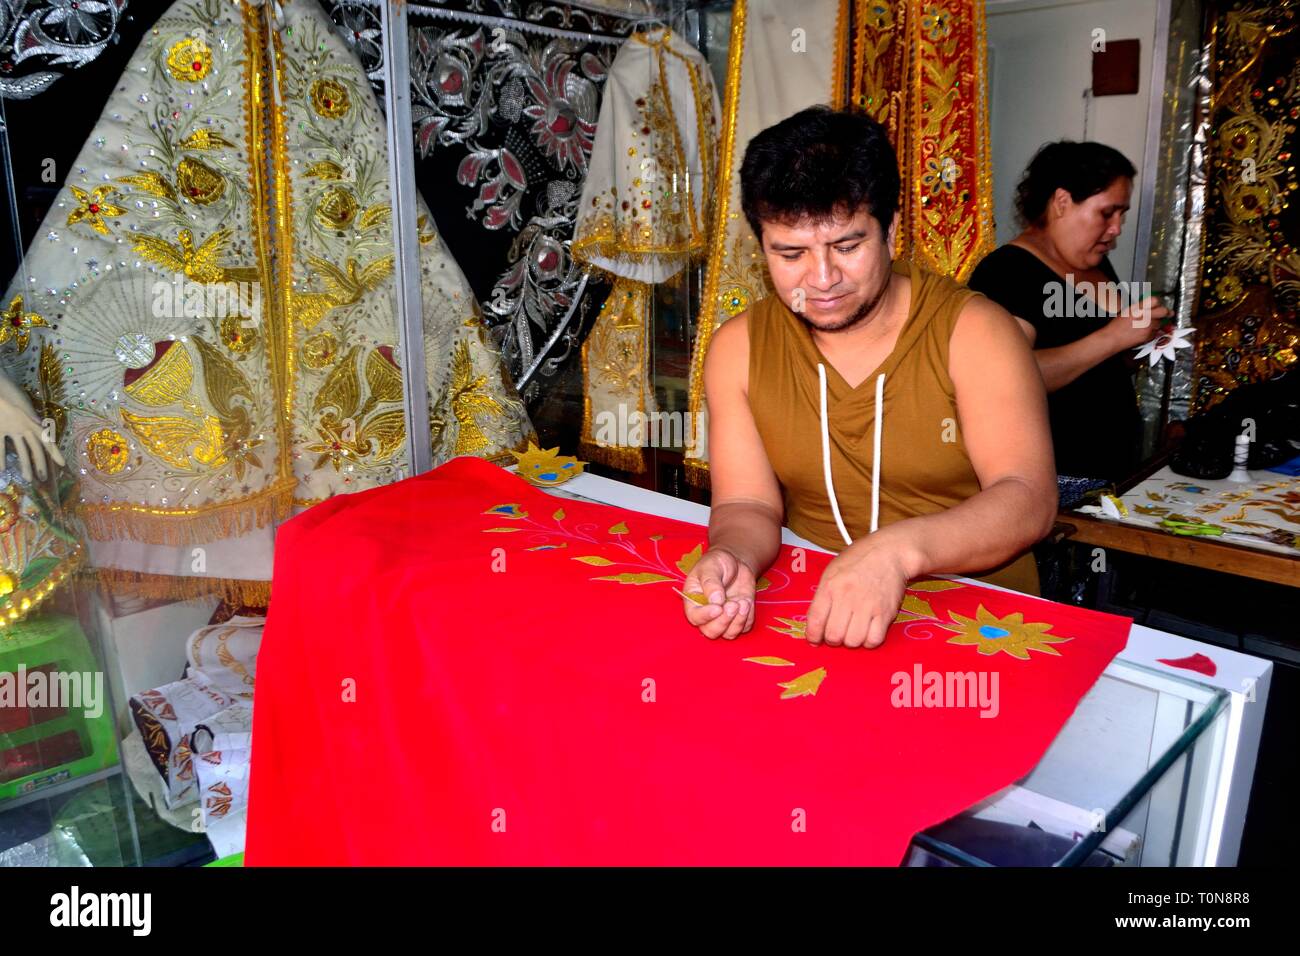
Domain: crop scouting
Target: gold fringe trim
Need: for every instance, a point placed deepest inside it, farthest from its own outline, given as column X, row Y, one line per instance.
column 115, row 581
column 607, row 245
column 697, row 473
column 622, row 457
column 181, row 526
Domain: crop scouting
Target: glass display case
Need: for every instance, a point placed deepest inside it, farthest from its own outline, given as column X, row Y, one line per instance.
column 1150, row 803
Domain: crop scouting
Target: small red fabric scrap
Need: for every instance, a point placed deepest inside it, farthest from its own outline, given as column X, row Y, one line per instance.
column 1196, row 662
column 462, row 669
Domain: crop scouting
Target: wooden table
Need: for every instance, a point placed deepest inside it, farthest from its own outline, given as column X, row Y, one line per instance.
column 1194, row 550
column 1197, row 551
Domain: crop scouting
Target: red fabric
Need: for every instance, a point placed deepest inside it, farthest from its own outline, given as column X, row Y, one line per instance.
column 1196, row 662
column 515, row 695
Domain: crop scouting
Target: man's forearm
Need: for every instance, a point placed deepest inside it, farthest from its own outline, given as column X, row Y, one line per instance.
column 749, row 530
column 980, row 533
column 1062, row 365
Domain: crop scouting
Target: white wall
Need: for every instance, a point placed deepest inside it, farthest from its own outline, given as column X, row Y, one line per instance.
column 1040, row 61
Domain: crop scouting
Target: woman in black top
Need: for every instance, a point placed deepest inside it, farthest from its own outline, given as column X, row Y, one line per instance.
column 1072, row 200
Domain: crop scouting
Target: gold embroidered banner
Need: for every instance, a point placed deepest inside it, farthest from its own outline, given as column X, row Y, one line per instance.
column 1249, row 329
column 944, row 154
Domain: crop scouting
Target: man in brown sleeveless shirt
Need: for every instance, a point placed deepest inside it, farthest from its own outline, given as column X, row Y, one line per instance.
column 883, row 412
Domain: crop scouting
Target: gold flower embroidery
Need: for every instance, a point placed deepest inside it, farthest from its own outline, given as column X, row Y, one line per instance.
column 735, row 300
column 7, row 583
column 199, row 183
column 17, row 324
column 1010, row 634
column 93, row 208
column 1229, row 288
column 236, row 336
column 338, row 441
column 1247, row 202
column 879, row 16
column 937, row 22
column 329, row 99
column 189, row 60
column 320, row 350
column 107, row 451
column 337, row 208
column 940, row 176
column 546, row 466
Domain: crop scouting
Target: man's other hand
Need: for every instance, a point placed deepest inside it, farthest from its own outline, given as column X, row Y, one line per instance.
column 858, row 596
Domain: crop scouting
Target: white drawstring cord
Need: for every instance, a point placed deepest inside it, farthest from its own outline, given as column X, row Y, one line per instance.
column 826, row 456
column 875, row 454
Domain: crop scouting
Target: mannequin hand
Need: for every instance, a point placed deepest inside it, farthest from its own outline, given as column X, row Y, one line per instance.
column 19, row 426
column 728, row 584
column 859, row 594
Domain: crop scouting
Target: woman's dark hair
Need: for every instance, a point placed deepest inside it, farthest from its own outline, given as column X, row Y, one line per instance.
column 1081, row 169
column 816, row 165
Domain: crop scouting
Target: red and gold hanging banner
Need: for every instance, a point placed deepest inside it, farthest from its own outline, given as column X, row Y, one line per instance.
column 879, row 66
column 947, row 175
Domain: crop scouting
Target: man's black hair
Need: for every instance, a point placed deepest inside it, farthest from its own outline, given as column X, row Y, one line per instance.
column 818, row 165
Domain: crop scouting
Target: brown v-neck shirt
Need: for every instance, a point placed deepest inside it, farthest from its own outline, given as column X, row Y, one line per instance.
column 920, row 472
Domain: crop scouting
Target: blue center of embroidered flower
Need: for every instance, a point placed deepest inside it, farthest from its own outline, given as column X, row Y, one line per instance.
column 991, row 632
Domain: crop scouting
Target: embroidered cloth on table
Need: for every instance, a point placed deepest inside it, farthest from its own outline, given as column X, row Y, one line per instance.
column 430, row 707
column 1263, row 513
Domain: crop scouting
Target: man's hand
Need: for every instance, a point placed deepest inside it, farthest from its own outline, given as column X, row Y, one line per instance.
column 728, row 585
column 859, row 594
